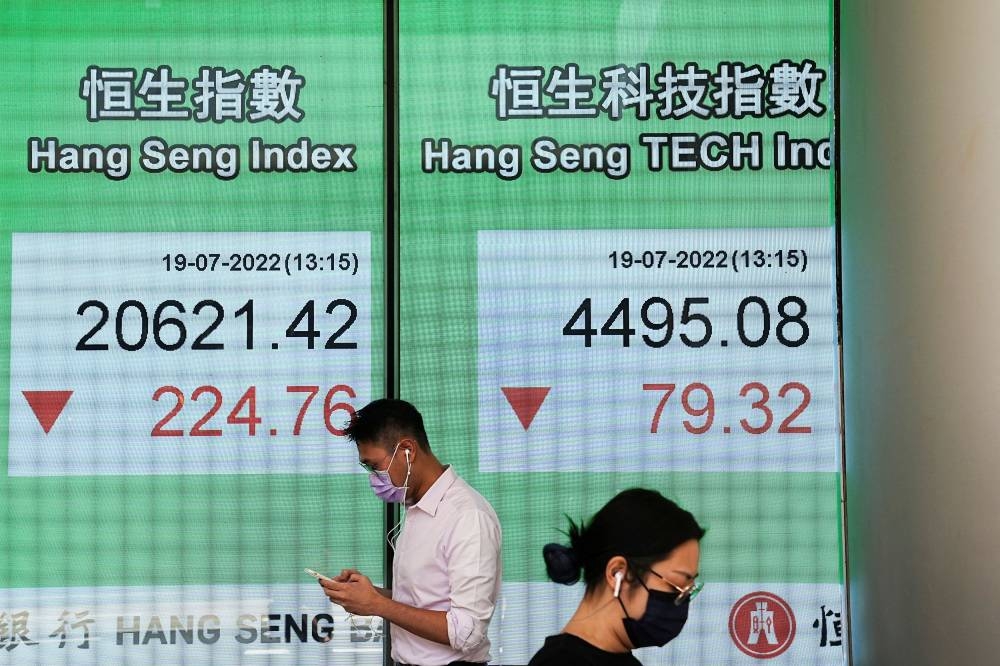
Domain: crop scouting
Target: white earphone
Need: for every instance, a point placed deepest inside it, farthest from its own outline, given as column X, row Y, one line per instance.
column 618, row 583
column 407, row 453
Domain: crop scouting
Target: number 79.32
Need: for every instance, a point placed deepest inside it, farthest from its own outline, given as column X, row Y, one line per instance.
column 760, row 414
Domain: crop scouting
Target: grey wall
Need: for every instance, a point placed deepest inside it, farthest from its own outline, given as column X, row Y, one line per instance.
column 920, row 151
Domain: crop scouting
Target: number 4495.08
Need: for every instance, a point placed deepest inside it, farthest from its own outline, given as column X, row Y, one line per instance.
column 657, row 318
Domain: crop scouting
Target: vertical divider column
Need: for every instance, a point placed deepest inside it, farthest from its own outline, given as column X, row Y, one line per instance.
column 390, row 60
column 835, row 174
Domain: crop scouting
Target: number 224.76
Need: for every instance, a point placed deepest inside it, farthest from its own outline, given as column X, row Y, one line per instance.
column 244, row 415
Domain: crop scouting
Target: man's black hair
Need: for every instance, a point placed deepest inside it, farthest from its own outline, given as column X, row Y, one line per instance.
column 385, row 422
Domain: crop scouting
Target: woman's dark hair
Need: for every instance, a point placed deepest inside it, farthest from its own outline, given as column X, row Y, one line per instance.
column 641, row 525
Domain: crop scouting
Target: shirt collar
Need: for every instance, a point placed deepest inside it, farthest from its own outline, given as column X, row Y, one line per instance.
column 432, row 498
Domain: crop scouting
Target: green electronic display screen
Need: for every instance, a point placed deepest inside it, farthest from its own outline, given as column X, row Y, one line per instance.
column 191, row 304
column 618, row 269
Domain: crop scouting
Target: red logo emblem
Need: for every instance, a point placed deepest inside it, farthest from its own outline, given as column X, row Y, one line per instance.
column 762, row 625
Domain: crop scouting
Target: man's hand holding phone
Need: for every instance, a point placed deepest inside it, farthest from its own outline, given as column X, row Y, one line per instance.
column 354, row 592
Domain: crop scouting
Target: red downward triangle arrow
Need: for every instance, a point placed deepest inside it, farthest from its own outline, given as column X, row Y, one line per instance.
column 47, row 406
column 525, row 401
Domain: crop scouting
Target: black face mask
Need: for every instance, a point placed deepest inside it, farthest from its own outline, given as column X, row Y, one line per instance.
column 662, row 621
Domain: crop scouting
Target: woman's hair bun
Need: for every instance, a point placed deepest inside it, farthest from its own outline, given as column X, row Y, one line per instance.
column 561, row 563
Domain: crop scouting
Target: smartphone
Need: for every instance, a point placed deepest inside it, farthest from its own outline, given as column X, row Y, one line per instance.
column 317, row 575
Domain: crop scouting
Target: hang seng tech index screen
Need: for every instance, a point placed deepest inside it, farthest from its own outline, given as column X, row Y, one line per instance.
column 618, row 269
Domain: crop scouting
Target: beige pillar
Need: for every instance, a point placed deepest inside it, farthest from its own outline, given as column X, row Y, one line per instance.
column 920, row 173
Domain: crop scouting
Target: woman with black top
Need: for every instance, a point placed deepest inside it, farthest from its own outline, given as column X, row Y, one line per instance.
column 639, row 557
